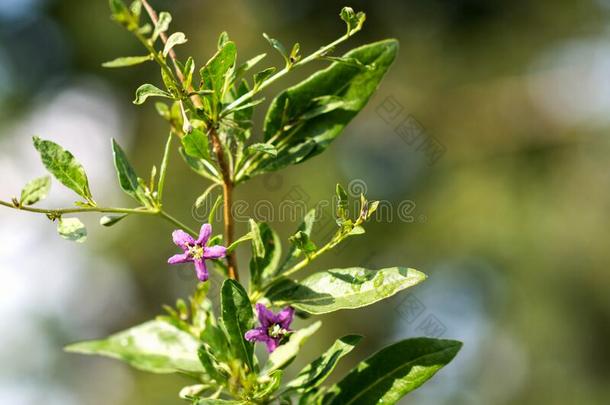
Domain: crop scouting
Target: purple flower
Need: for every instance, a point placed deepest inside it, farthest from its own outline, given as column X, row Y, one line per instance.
column 196, row 251
column 273, row 328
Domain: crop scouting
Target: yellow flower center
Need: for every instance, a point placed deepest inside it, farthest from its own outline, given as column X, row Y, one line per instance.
column 196, row 251
column 276, row 331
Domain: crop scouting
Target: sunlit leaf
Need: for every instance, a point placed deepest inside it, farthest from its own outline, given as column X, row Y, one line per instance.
column 177, row 38
column 72, row 229
column 349, row 288
column 393, row 372
column 318, row 370
column 149, row 90
column 127, row 61
column 64, row 167
column 154, row 346
column 35, row 190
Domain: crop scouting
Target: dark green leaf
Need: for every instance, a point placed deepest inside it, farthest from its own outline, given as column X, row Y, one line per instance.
column 35, row 190
column 215, row 70
column 128, row 180
column 64, row 167
column 263, row 75
column 350, row 288
column 339, row 83
column 318, row 370
column 148, row 90
column 391, row 373
column 72, row 229
column 238, row 318
column 154, row 346
column 177, row 38
column 264, row 266
column 127, row 61
column 196, row 144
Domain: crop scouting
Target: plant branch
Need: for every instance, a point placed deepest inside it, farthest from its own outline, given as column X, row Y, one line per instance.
column 172, row 55
column 317, row 54
column 227, row 191
column 106, row 210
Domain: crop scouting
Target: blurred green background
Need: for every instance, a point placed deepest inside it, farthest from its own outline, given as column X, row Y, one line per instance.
column 510, row 223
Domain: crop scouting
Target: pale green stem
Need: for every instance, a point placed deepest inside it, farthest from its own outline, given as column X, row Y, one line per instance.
column 105, row 210
column 161, row 183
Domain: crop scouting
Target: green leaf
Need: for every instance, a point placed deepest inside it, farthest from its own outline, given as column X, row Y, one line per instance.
column 117, row 6
column 238, row 318
column 196, row 165
column 264, row 266
column 223, row 38
column 302, row 242
column 298, row 119
column 294, row 253
column 189, row 69
column 249, row 64
column 318, row 370
column 148, row 90
column 277, row 45
column 162, row 24
column 177, row 38
column 350, row 288
column 109, row 220
column 196, row 144
column 263, row 148
column 35, row 190
column 214, row 72
column 128, row 179
column 342, row 202
column 211, row 364
column 285, row 353
column 394, row 371
column 155, row 346
column 258, row 247
column 263, row 75
column 72, row 229
column 127, row 61
column 269, row 384
column 353, row 20
column 64, row 167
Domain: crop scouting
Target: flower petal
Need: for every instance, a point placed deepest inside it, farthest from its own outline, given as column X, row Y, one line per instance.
column 204, row 234
column 214, row 252
column 179, row 258
column 272, row 344
column 265, row 316
column 256, row 334
column 284, row 317
column 182, row 239
column 202, row 271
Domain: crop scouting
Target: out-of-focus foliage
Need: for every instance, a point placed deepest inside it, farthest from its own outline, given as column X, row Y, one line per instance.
column 511, row 223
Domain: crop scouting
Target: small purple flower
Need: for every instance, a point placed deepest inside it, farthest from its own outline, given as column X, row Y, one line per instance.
column 273, row 327
column 196, row 251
